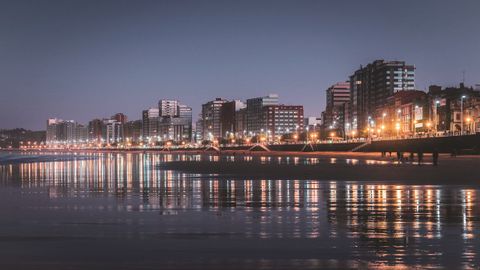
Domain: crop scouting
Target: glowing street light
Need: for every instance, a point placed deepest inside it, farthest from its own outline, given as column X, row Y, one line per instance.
column 468, row 119
column 437, row 117
column 461, row 113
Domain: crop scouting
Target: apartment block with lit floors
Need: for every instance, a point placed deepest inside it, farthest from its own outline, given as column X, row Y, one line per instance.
column 254, row 112
column 335, row 116
column 372, row 85
column 211, row 119
column 150, row 122
column 168, row 107
column 282, row 119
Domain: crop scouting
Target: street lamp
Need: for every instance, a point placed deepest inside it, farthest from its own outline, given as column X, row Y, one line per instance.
column 437, row 117
column 306, row 135
column 346, row 131
column 370, row 122
column 383, row 120
column 461, row 114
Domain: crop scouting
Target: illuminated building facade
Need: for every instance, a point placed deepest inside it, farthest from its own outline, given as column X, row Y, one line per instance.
column 371, row 86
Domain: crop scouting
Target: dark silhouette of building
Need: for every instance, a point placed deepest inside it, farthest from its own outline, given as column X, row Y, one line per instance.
column 228, row 115
column 150, row 122
column 336, row 113
column 211, row 119
column 120, row 117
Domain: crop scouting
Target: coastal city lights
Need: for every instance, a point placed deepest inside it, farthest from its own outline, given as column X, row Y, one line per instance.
column 239, row 134
column 402, row 112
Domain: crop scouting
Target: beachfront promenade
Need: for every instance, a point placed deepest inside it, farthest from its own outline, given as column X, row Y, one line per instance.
column 468, row 144
column 464, row 144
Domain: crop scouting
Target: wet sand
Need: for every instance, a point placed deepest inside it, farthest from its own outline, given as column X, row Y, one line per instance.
column 461, row 170
column 122, row 212
column 451, row 170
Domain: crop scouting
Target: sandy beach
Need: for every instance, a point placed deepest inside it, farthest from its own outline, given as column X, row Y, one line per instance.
column 340, row 166
column 462, row 170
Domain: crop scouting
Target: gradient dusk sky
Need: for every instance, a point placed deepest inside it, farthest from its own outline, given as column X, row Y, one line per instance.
column 90, row 59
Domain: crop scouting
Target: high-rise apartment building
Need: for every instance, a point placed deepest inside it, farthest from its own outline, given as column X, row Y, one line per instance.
column 53, row 135
column 175, row 122
column 62, row 132
column 113, row 131
column 168, row 107
column 282, row 119
column 170, row 121
column 81, row 133
column 185, row 119
column 241, row 122
column 95, row 130
column 120, row 117
column 338, row 94
column 228, row 116
column 373, row 84
column 255, row 116
column 211, row 119
column 336, row 111
column 150, row 122
column 69, row 132
column 132, row 131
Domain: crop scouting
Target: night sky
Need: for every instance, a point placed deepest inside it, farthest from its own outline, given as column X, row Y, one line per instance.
column 87, row 59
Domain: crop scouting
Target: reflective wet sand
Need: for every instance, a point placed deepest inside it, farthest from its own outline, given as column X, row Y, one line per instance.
column 121, row 211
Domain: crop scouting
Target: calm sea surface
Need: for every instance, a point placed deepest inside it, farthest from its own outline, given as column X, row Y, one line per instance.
column 119, row 211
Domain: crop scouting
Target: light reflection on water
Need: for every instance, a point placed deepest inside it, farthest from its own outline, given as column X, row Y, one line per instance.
column 371, row 224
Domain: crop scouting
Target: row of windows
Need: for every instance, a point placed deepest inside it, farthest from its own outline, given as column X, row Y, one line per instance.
column 282, row 113
column 283, row 124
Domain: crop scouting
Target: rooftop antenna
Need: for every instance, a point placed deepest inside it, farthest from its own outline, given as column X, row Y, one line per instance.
column 463, row 77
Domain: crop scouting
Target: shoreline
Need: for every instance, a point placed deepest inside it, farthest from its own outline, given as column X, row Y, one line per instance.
column 332, row 154
column 450, row 171
column 452, row 174
column 461, row 170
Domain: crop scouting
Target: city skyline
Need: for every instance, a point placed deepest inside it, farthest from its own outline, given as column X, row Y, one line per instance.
column 55, row 64
column 239, row 134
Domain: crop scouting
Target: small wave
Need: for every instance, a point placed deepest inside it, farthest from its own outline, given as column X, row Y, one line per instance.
column 17, row 159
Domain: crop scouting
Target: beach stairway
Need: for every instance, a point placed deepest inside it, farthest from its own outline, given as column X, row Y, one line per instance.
column 308, row 148
column 259, row 147
column 361, row 146
column 212, row 149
